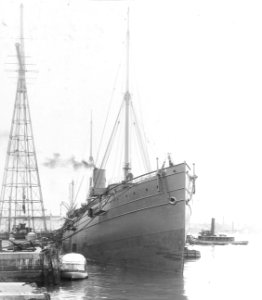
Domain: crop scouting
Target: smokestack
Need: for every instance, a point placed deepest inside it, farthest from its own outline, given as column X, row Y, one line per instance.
column 212, row 231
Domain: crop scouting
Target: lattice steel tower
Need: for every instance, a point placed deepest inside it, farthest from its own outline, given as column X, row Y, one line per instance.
column 21, row 196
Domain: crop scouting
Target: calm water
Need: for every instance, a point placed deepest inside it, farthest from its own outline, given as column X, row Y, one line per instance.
column 222, row 272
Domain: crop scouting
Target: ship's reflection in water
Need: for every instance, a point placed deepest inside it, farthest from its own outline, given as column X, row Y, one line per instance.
column 115, row 283
column 222, row 272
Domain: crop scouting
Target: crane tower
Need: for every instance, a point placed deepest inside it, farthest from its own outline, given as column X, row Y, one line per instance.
column 21, row 200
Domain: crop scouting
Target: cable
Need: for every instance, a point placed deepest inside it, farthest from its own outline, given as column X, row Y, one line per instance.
column 108, row 110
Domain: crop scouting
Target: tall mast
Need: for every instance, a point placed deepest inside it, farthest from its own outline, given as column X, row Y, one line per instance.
column 127, row 98
column 91, row 159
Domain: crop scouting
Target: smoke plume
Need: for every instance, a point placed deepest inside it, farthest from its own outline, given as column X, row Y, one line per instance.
column 58, row 162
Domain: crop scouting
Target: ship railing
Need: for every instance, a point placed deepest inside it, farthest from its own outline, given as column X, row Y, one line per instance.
column 138, row 179
column 111, row 189
column 100, row 202
column 133, row 181
column 143, row 177
column 114, row 187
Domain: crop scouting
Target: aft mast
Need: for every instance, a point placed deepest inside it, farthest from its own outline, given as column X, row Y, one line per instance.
column 127, row 99
column 91, row 158
column 21, row 195
column 91, row 161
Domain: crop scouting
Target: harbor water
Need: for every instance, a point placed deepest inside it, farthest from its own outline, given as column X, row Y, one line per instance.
column 222, row 272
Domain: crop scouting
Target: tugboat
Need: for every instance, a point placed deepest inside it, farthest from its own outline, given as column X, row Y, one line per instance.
column 208, row 237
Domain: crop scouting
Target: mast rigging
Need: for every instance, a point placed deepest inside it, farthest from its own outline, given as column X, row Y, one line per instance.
column 127, row 99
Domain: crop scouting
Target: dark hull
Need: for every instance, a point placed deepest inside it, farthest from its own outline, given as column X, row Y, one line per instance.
column 141, row 226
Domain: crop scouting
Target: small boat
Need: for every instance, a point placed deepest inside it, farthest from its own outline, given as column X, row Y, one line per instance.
column 191, row 253
column 73, row 266
column 203, row 239
column 208, row 237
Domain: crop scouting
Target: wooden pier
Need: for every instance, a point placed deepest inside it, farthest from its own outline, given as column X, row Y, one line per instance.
column 22, row 291
column 40, row 265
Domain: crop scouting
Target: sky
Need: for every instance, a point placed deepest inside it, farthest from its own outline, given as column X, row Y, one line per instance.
column 195, row 78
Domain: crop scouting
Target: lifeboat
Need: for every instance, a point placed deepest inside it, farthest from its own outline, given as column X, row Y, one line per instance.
column 73, row 266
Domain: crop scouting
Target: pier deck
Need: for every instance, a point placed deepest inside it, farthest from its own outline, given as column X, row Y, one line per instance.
column 21, row 291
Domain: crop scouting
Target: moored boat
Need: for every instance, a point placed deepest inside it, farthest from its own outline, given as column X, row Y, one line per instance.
column 210, row 240
column 208, row 237
column 138, row 222
column 73, row 266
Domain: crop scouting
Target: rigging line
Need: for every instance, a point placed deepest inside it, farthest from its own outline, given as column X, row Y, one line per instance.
column 117, row 134
column 118, row 158
column 112, row 135
column 105, row 201
column 75, row 232
column 77, row 179
column 78, row 219
column 109, row 149
column 140, row 139
column 119, row 168
column 84, row 226
column 140, row 110
column 80, row 223
column 140, row 146
column 81, row 182
column 140, row 162
column 143, row 145
column 108, row 110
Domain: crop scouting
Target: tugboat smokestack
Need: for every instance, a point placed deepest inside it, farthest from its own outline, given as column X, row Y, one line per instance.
column 212, row 231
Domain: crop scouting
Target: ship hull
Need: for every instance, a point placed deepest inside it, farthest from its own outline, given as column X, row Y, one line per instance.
column 142, row 226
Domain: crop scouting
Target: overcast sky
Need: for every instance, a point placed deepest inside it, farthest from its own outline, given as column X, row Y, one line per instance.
column 196, row 73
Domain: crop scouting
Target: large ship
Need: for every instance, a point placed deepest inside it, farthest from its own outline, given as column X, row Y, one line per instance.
column 139, row 222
